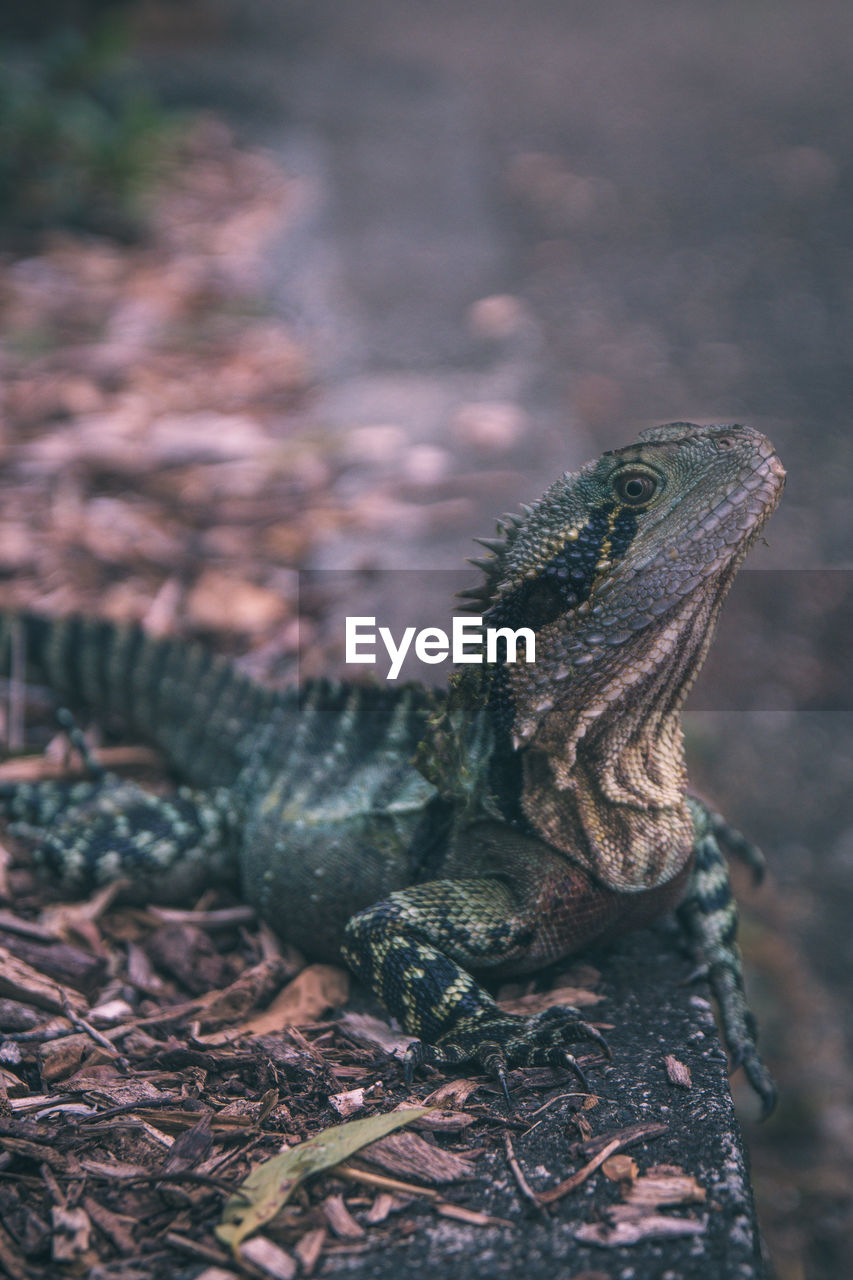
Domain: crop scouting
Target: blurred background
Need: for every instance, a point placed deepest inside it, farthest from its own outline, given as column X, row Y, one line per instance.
column 293, row 284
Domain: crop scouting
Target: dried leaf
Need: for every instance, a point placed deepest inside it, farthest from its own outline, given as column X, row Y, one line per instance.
column 117, row 1227
column 677, row 1072
column 346, row 1104
column 269, row 1258
column 457, row 1091
column 71, row 1233
column 21, row 981
column 440, row 1120
column 653, row 1227
column 106, row 1085
column 309, row 1247
column 306, row 998
column 375, row 1033
column 191, row 1148
column 251, row 988
column 382, row 1206
column 653, row 1189
column 118, row 1169
column 340, row 1219
column 271, row 1183
column 410, row 1156
column 620, row 1168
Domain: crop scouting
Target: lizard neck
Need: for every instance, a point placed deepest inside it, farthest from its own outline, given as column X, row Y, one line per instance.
column 621, row 810
column 620, row 571
column 604, row 776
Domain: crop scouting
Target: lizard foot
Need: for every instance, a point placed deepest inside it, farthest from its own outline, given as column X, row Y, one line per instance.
column 499, row 1041
column 759, row 1077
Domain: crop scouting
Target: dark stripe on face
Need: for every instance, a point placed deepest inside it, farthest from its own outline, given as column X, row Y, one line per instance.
column 562, row 583
column 624, row 528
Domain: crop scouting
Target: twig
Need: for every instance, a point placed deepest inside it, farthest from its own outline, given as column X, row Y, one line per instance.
column 147, row 1104
column 185, row 1175
column 559, row 1098
column 101, row 1041
column 628, row 1136
column 563, row 1188
column 523, row 1185
column 195, row 1248
column 472, row 1216
column 226, row 918
column 445, row 1207
column 354, row 1174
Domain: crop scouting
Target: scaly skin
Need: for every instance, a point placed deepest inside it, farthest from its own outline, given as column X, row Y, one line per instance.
column 492, row 830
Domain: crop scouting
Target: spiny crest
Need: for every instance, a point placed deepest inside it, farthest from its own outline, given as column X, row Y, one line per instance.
column 478, row 598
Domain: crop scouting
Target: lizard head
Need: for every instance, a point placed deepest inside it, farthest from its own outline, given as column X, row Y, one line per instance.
column 620, row 570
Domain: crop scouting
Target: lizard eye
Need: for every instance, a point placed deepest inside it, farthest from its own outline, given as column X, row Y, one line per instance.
column 635, row 488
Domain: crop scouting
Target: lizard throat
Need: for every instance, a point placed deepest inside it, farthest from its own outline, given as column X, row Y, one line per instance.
column 604, row 776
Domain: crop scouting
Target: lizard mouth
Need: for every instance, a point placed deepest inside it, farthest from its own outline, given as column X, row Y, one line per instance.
column 736, row 521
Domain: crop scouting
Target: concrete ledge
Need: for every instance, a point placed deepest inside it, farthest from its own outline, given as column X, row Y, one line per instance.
column 652, row 1015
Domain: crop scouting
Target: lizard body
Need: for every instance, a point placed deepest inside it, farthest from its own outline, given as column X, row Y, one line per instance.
column 491, row 830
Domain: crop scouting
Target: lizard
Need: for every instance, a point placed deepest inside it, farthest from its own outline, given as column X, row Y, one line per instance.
column 437, row 840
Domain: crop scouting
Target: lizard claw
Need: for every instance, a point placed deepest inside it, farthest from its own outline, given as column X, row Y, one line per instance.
column 555, row 1018
column 501, row 1074
column 592, row 1033
column 413, row 1057
column 569, row 1060
column 498, row 1041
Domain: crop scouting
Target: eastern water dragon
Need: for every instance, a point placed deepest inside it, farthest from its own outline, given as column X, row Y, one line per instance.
column 488, row 830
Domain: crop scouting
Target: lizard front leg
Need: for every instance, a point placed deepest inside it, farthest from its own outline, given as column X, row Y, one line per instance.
column 709, row 917
column 415, row 949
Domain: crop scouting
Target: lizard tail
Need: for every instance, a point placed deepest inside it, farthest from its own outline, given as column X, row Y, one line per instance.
column 192, row 705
